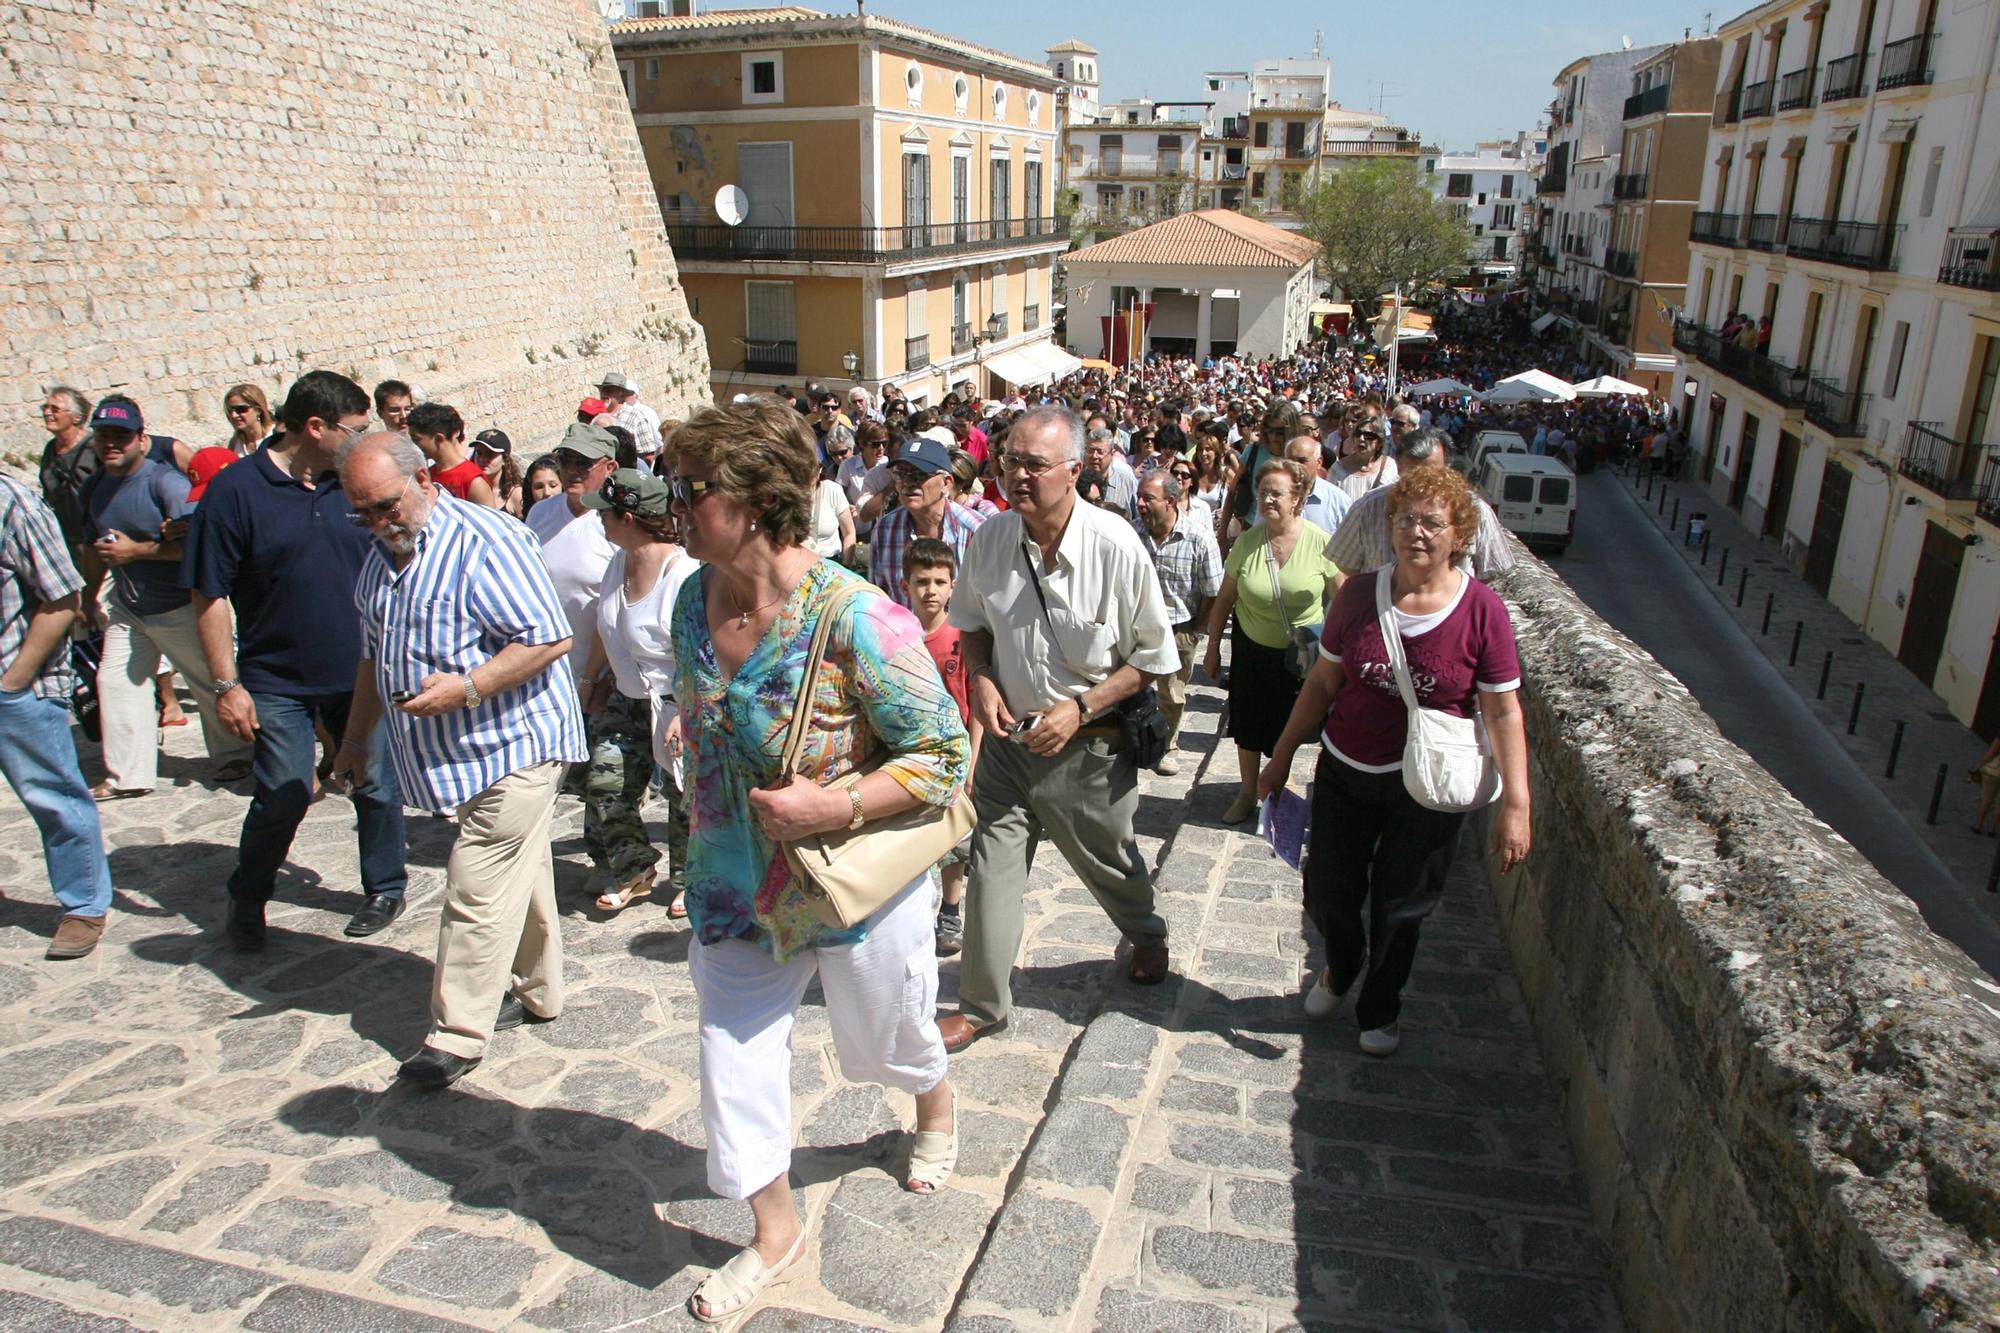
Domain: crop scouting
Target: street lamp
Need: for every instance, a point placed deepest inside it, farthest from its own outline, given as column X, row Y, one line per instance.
column 850, row 363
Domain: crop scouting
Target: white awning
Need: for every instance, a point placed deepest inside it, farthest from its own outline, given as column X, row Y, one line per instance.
column 1058, row 362
column 1542, row 322
column 1018, row 366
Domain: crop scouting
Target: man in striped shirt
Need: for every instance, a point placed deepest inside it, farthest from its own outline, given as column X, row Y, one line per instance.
column 462, row 634
column 922, row 477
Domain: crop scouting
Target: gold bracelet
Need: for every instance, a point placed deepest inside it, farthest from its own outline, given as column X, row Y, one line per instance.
column 860, row 814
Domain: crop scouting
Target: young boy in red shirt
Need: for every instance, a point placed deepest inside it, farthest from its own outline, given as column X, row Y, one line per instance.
column 930, row 571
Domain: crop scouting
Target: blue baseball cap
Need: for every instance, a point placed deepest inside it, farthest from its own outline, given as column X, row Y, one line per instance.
column 926, row 455
column 118, row 416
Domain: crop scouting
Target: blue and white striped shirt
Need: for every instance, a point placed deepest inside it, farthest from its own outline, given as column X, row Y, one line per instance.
column 475, row 585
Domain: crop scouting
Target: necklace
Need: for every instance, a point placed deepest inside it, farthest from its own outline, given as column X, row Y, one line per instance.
column 743, row 617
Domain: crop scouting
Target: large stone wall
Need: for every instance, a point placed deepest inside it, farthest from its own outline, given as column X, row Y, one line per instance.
column 1784, row 1091
column 214, row 191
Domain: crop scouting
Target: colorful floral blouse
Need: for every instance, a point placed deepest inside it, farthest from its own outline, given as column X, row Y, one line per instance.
column 876, row 688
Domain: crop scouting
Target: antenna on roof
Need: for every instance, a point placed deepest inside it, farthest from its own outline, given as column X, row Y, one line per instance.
column 1317, row 40
column 1382, row 93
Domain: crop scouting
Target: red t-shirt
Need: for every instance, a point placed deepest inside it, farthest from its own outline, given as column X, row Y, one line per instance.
column 948, row 652
column 1469, row 647
column 459, row 478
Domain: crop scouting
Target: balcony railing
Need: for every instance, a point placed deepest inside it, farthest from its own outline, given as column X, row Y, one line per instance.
column 713, row 240
column 917, row 351
column 1905, row 64
column 1031, row 318
column 1646, row 103
column 1687, row 336
column 1621, row 263
column 1585, row 312
column 1845, row 77
column 1946, row 467
column 1757, row 98
column 1728, row 106
column 1630, row 185
column 996, row 324
column 961, row 338
column 1989, row 490
column 1369, row 147
column 1555, row 184
column 1234, row 171
column 1968, row 259
column 1863, row 245
column 1716, row 229
column 1133, row 167
column 1765, row 374
column 1795, row 90
column 763, row 356
column 1839, row 412
column 1762, row 233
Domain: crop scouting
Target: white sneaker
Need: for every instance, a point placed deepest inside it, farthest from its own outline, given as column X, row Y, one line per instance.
column 1167, row 768
column 1381, row 1041
column 1320, row 999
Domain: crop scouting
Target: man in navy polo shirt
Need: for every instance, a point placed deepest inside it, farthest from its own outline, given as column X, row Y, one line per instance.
column 275, row 536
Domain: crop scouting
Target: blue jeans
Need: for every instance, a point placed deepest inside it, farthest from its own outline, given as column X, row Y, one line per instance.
column 39, row 760
column 282, row 764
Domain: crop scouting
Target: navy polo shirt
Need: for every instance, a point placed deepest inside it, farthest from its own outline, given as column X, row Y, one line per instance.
column 287, row 557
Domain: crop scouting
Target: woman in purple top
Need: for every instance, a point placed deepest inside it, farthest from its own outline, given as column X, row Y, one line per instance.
column 1374, row 846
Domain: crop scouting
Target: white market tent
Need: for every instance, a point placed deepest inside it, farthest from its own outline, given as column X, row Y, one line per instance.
column 1609, row 386
column 1445, row 385
column 1530, row 386
column 1037, row 363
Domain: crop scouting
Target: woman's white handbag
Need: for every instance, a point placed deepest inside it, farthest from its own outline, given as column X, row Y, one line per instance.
column 1447, row 761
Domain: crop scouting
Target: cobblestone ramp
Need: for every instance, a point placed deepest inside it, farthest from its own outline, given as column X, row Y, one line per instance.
column 191, row 1139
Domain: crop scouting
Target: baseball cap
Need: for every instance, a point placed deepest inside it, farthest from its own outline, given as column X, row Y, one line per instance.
column 941, row 434
column 203, row 467
column 494, row 441
column 590, row 441
column 592, row 407
column 618, row 379
column 926, row 455
column 118, row 416
column 630, row 491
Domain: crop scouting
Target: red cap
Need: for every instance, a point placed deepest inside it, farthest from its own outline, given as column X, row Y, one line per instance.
column 203, row 467
column 591, row 407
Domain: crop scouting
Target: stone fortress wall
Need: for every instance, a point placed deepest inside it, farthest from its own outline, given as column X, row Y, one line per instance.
column 1783, row 1090
column 215, row 191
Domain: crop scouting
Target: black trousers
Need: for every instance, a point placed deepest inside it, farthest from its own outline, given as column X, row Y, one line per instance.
column 1374, row 849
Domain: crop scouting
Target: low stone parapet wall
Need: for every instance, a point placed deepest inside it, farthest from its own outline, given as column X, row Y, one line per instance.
column 1783, row 1089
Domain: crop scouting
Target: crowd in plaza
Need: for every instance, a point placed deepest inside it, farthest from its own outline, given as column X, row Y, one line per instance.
column 798, row 621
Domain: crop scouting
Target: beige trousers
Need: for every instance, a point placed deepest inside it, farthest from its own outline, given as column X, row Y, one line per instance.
column 1174, row 688
column 498, row 930
column 133, row 648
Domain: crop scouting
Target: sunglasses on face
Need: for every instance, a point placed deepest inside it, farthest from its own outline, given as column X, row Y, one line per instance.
column 685, row 491
column 236, row 409
column 1178, row 475
column 570, row 461
column 1367, row 434
column 380, row 512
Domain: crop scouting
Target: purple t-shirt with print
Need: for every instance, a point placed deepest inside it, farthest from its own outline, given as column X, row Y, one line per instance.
column 1471, row 648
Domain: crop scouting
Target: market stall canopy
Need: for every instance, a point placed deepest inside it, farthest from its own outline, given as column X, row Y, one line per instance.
column 1415, row 326
column 1445, row 385
column 1609, row 386
column 1530, row 386
column 1097, row 363
column 1542, row 321
column 1330, row 308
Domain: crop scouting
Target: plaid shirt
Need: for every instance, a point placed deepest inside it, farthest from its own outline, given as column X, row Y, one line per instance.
column 1189, row 564
column 643, row 422
column 38, row 569
column 892, row 539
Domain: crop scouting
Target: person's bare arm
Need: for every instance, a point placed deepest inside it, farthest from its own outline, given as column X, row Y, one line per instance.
column 48, row 627
column 1315, row 701
column 1513, row 829
column 481, row 492
column 234, row 709
column 444, row 692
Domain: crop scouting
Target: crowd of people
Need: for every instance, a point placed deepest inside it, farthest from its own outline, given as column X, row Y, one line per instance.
column 358, row 600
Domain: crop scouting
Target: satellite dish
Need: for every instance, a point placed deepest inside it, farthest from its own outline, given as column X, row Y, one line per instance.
column 1625, row 43
column 613, row 10
column 732, row 205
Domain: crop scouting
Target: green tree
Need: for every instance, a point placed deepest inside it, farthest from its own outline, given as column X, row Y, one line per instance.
column 1378, row 226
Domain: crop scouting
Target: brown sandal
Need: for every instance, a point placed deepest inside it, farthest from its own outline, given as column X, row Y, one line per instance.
column 1150, row 965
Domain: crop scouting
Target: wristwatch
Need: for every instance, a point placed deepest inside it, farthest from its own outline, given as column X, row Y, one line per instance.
column 223, row 687
column 471, row 692
column 854, row 795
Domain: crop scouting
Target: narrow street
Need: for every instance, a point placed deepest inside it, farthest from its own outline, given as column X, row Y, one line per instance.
column 1621, row 565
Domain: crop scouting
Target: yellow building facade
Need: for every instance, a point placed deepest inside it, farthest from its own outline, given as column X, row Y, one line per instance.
column 891, row 218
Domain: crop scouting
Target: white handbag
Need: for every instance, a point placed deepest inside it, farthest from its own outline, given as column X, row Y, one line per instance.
column 1447, row 761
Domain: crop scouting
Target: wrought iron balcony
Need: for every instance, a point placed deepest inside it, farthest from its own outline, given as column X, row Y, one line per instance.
column 1552, row 184
column 1234, row 171
column 1762, row 233
column 1846, row 77
column 1630, row 185
column 1646, row 103
column 1840, row 412
column 1728, row 106
column 1905, row 64
column 1764, row 374
column 1621, row 263
column 713, row 240
column 1716, row 229
column 961, row 338
column 1945, row 467
column 1989, row 490
column 1031, row 318
column 1757, row 99
column 1863, row 245
column 762, row 356
column 1968, row 259
column 996, row 324
column 917, row 351
column 1795, row 90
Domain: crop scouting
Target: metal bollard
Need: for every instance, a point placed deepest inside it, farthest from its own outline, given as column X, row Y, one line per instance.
column 1895, row 749
column 1825, row 669
column 1723, row 572
column 1675, row 522
column 1993, row 873
column 1937, row 793
column 1742, row 583
column 1663, row 499
column 1649, row 485
column 1770, row 599
column 1798, row 631
column 1704, row 550
column 1854, row 713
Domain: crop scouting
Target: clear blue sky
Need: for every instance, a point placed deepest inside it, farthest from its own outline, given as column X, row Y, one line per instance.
column 1459, row 70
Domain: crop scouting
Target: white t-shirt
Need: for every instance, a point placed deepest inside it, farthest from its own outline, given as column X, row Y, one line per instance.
column 576, row 553
column 1357, row 484
column 861, row 481
column 639, row 635
column 829, row 503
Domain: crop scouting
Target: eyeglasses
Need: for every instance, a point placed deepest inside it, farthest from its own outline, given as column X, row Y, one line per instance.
column 1179, row 475
column 346, row 429
column 237, row 409
column 1368, row 435
column 1033, row 467
column 368, row 515
column 685, row 491
column 909, row 476
column 572, row 461
column 1427, row 524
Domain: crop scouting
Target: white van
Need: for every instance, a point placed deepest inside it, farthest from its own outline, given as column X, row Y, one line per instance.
column 1535, row 497
column 1486, row 444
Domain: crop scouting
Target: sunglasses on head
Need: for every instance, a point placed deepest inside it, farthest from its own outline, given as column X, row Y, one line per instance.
column 623, row 496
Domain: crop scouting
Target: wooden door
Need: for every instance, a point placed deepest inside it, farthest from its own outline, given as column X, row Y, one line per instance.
column 1782, row 478
column 1827, row 523
column 1931, row 596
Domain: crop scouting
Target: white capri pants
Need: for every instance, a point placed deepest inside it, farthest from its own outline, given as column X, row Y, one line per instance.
column 881, row 1002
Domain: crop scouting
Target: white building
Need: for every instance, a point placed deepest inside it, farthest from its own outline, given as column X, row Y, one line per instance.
column 1288, row 102
column 1490, row 189
column 1223, row 174
column 1216, row 282
column 1852, row 196
column 1586, row 131
column 1075, row 65
column 1136, row 165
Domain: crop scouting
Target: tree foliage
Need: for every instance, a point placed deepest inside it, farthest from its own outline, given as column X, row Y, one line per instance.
column 1378, row 225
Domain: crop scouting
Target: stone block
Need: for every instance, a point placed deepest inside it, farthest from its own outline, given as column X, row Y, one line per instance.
column 106, row 1263
column 1161, row 1191
column 1373, row 1125
column 990, row 1075
column 27, row 1073
column 1123, row 1310
column 1437, row 1177
column 1080, row 1144
column 1234, row 1064
column 32, row 1314
column 1224, row 1147
column 33, row 1148
column 1309, row 1211
column 296, row 1309
column 898, row 1255
column 1199, row 1095
column 111, row 1191
column 408, row 1174
column 597, row 1302
column 1036, row 1257
column 310, row 1233
column 990, row 1144
column 1519, row 1303
column 1375, row 1286
column 209, row 1193
column 780, row 1320
column 459, row 1268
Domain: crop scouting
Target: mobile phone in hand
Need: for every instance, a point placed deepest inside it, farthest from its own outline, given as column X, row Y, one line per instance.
column 401, row 696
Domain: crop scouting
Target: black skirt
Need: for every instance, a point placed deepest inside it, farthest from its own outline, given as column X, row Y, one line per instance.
column 1261, row 692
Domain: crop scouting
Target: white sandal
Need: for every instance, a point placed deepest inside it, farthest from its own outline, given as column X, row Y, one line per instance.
column 933, row 1155
column 732, row 1288
column 623, row 896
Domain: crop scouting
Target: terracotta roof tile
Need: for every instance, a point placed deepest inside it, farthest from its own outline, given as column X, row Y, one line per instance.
column 1213, row 236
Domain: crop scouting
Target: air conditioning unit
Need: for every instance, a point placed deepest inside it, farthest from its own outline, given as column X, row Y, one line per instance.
column 661, row 9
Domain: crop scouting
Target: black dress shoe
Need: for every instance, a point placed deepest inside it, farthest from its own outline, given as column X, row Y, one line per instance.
column 432, row 1068
column 374, row 914
column 513, row 1013
column 246, row 924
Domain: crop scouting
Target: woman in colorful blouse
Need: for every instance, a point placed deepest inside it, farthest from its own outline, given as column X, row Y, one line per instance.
column 743, row 479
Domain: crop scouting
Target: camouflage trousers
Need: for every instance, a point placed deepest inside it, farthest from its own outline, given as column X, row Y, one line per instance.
column 621, row 769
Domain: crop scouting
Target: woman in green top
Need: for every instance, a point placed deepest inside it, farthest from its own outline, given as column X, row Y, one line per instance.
column 1276, row 580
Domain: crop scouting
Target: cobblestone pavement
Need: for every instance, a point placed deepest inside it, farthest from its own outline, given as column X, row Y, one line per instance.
column 193, row 1139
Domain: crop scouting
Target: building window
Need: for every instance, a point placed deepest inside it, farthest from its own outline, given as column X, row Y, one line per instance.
column 916, row 189
column 770, row 329
column 999, row 101
column 961, row 327
column 652, row 71
column 763, row 76
column 961, row 92
column 1260, row 134
column 626, row 73
column 1931, row 174
column 1458, row 185
column 1003, row 190
column 913, row 83
column 1034, row 108
column 1506, row 187
column 1893, row 380
column 1031, row 191
column 1256, row 185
